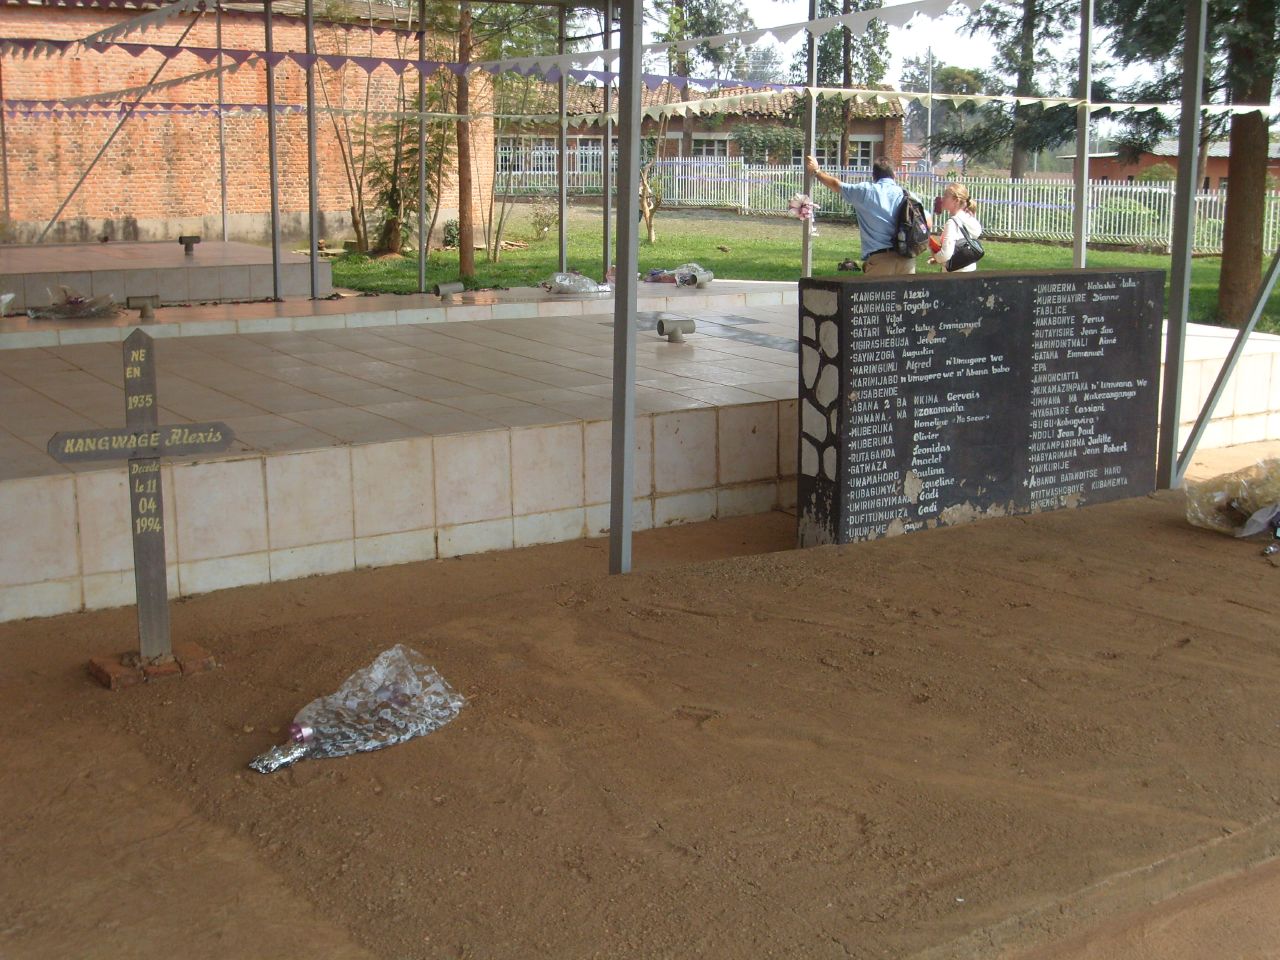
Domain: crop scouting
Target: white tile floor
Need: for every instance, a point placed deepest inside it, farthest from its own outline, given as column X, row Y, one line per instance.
column 314, row 389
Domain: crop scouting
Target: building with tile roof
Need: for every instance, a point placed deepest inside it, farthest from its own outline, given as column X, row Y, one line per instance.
column 875, row 129
column 1111, row 166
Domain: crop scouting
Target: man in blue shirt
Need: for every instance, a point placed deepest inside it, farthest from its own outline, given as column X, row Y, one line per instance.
column 876, row 203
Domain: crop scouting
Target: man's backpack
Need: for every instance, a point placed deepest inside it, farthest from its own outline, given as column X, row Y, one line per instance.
column 911, row 235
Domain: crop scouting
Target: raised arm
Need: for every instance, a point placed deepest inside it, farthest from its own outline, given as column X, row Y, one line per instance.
column 826, row 179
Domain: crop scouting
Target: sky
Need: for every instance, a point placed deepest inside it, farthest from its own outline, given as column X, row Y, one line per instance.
column 951, row 43
column 945, row 35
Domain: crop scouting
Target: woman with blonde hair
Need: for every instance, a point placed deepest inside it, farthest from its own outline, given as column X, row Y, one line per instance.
column 962, row 228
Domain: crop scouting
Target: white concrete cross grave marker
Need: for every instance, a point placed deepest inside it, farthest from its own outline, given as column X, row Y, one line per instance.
column 142, row 442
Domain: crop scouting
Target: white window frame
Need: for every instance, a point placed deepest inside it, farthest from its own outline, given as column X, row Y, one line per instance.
column 827, row 151
column 721, row 141
column 588, row 154
column 526, row 154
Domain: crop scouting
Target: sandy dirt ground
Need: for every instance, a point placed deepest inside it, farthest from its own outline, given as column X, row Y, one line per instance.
column 1038, row 737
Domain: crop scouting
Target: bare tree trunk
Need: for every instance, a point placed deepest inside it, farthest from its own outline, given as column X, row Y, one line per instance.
column 650, row 198
column 438, row 180
column 649, row 203
column 679, row 61
column 466, row 202
column 1242, row 225
column 1020, row 160
column 348, row 161
column 437, row 166
column 496, row 226
column 1254, row 66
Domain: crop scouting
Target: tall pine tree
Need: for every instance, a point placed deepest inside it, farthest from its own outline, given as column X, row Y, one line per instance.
column 1243, row 41
column 848, row 61
column 1023, row 32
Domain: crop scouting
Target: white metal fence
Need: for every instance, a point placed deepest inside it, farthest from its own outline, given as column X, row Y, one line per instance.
column 1123, row 213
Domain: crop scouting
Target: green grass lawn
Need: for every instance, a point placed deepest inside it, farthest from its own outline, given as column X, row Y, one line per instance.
column 736, row 248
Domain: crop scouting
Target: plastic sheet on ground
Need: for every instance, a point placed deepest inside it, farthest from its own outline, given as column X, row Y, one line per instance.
column 397, row 697
column 1242, row 504
column 575, row 283
column 685, row 275
column 70, row 304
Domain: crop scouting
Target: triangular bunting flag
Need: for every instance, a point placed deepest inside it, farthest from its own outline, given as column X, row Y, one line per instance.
column 784, row 34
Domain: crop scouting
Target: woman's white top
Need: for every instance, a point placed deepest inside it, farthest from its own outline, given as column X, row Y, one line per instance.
column 951, row 235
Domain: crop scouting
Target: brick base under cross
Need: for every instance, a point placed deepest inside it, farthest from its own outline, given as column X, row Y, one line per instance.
column 127, row 669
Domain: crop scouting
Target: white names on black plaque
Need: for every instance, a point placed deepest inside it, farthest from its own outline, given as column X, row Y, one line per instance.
column 926, row 401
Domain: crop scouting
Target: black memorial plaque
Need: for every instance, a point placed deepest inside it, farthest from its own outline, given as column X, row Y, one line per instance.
column 933, row 400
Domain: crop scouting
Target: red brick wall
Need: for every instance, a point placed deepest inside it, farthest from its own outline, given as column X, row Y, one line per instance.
column 891, row 148
column 1216, row 168
column 161, row 174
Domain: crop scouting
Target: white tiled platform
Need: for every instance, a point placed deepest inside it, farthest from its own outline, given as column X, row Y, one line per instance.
column 366, row 446
column 215, row 271
column 386, row 445
column 300, row 314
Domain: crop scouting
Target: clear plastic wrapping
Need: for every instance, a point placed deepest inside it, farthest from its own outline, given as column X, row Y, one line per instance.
column 575, row 283
column 397, row 697
column 693, row 275
column 69, row 304
column 1242, row 504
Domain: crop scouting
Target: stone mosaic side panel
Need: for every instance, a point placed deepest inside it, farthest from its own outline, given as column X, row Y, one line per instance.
column 819, row 431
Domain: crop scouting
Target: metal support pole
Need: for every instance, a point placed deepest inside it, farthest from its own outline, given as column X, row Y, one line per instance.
column 810, row 138
column 222, row 125
column 1080, row 215
column 1184, row 214
column 606, row 149
column 271, row 155
column 111, row 138
column 928, row 118
column 422, row 149
column 4, row 152
column 1224, row 375
column 562, row 146
column 622, row 475
column 313, row 187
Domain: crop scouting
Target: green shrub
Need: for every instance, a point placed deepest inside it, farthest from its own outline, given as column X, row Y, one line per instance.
column 545, row 215
column 452, row 233
column 1121, row 218
column 1208, row 233
column 1157, row 173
